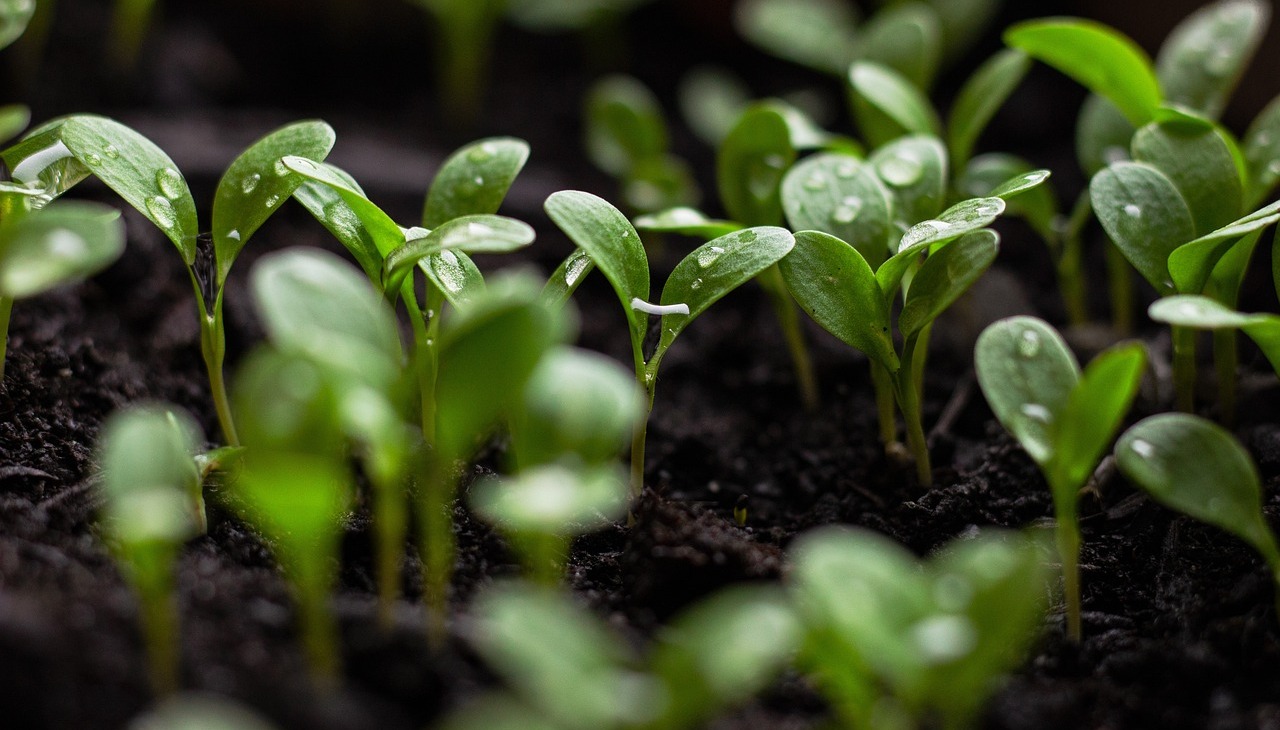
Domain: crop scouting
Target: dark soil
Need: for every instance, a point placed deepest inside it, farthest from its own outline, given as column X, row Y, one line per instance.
column 1180, row 627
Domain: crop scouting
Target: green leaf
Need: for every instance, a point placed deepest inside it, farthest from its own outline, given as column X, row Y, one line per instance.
column 1198, row 468
column 286, row 401
column 887, row 106
column 944, row 276
column 1203, row 58
column 906, row 38
column 1145, row 216
column 41, row 160
column 660, row 182
column 1015, row 180
column 1204, row 313
column 959, row 220
column 606, row 235
column 454, row 275
column 380, row 228
column 711, row 100
column 497, row 712
column 1192, row 264
column 1093, row 415
column 138, row 171
column 14, row 17
column 149, row 477
column 686, row 222
column 750, row 165
column 552, row 499
column 1197, row 160
column 1027, row 373
column 58, row 245
column 814, row 33
column 315, row 304
column 717, row 268
column 979, row 99
column 13, row 119
column 835, row 286
column 257, row 181
column 915, row 171
column 624, row 125
column 1102, row 135
column 1262, row 154
column 474, row 180
column 469, row 233
column 1100, row 58
column 842, row 196
column 564, row 281
column 328, row 207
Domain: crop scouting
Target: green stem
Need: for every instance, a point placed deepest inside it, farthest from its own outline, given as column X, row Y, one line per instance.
column 1070, row 262
column 466, row 30
column 648, row 378
column 789, row 318
column 315, row 624
column 1226, row 359
column 909, row 403
column 426, row 366
column 6, row 310
column 437, row 544
column 1120, row 278
column 150, row 570
column 882, row 381
column 1184, row 368
column 545, row 558
column 213, row 346
column 390, row 529
column 1067, row 535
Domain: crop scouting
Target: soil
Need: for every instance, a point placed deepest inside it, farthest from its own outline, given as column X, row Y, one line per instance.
column 1179, row 623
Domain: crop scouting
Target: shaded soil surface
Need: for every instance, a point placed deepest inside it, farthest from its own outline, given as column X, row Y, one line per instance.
column 1180, row 626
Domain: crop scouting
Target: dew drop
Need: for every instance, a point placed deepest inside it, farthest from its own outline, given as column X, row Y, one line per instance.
column 844, row 214
column 169, row 182
column 846, row 170
column 1263, row 138
column 1221, row 62
column 815, row 183
column 66, row 244
column 272, row 201
column 479, row 229
column 1029, row 343
column 575, row 267
column 943, row 639
column 233, row 234
column 1274, row 167
column 697, row 284
column 480, row 153
column 626, row 234
column 747, row 236
column 478, row 180
column 449, row 271
column 777, row 162
column 1143, row 448
column 900, row 170
column 709, row 255
column 250, row 183
column 93, row 159
column 111, row 152
column 280, row 168
column 1036, row 412
column 1132, row 210
column 161, row 211
column 921, row 232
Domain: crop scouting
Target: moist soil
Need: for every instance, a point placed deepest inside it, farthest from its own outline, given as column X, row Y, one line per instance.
column 1180, row 628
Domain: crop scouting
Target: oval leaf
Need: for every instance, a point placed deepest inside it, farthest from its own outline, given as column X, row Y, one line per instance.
column 1021, row 186
column 624, row 125
column 14, row 17
column 552, row 499
column 750, row 164
column 454, row 275
column 1198, row 161
column 61, row 244
column 1261, row 151
column 686, row 222
column 565, row 279
column 381, row 229
column 328, row 207
column 470, row 233
column 1204, row 313
column 842, row 196
column 474, row 180
column 1145, row 216
column 915, row 171
column 887, row 106
column 1192, row 264
column 1203, row 58
column 944, row 276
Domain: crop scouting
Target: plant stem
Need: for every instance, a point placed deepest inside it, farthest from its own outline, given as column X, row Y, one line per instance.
column 909, row 403
column 6, row 310
column 150, row 570
column 426, row 364
column 437, row 544
column 315, row 623
column 1184, row 368
column 647, row 375
column 391, row 527
column 1120, row 278
column 788, row 317
column 213, row 346
column 1226, row 359
column 882, row 381
column 1070, row 261
column 1067, row 535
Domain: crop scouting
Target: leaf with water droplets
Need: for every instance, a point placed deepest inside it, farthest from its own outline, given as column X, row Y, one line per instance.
column 1203, row 58
column 1027, row 373
column 564, row 281
column 1204, row 313
column 1100, row 58
column 915, row 170
column 454, row 275
column 61, row 244
column 624, row 125
column 328, row 207
column 243, row 207
column 979, row 99
column 14, row 17
column 1145, row 216
column 959, row 220
column 835, row 286
column 717, row 268
column 1198, row 468
column 1023, row 187
column 474, row 180
column 1261, row 150
column 814, row 33
column 1197, row 158
column 841, row 195
column 469, row 233
column 944, row 276
column 134, row 173
column 906, row 38
column 686, row 222
column 750, row 165
column 1192, row 264
column 887, row 106
column 380, row 228
column 1093, row 414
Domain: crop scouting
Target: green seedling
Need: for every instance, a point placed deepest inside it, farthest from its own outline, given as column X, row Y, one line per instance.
column 708, row 273
column 64, row 152
column 569, row 671
column 1199, row 469
column 43, row 249
column 894, row 643
column 1196, row 312
column 627, row 138
column 152, row 505
column 1063, row 418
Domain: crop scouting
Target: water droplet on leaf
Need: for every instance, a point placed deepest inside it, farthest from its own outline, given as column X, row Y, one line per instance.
column 697, row 284
column 169, row 182
column 272, row 201
column 111, row 152
column 233, row 234
column 708, row 255
column 846, row 170
column 161, row 211
column 575, row 267
column 449, row 271
column 1029, row 343
column 815, row 182
column 1143, row 448
column 93, row 159
column 943, row 639
column 900, row 170
column 250, row 183
column 1036, row 412
column 1132, row 211
column 280, row 168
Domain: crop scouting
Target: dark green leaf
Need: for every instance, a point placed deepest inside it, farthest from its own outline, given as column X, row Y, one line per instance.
column 1027, row 373
column 13, row 119
column 1145, row 216
column 1262, row 153
column 686, row 222
column 1103, row 60
column 1192, row 263
column 1093, row 415
column 915, row 171
column 1201, row 61
column 835, row 286
column 750, row 165
column 469, row 233
column 979, row 99
column 455, row 275
column 841, row 195
column 328, row 207
column 1197, row 160
column 58, row 245
column 814, row 33
column 624, row 125
column 14, row 17
column 944, row 276
column 257, row 181
column 1011, row 176
column 887, row 106
column 379, row 227
column 906, row 38
column 960, row 219
column 566, row 278
column 474, row 180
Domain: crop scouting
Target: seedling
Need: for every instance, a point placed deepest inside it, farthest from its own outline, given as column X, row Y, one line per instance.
column 569, row 671
column 1198, row 468
column 1204, row 313
column 153, row 504
column 64, row 152
column 41, row 250
column 894, row 643
column 1064, row 419
column 698, row 281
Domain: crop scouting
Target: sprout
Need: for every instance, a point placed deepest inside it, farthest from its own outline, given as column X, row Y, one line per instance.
column 1063, row 419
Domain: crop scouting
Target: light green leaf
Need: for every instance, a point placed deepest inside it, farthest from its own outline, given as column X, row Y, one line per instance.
column 835, row 286
column 474, row 180
column 381, row 229
column 915, row 171
column 961, row 219
column 328, row 207
column 1196, row 467
column 1262, row 154
column 1204, row 313
column 717, row 268
column 286, row 401
column 13, row 119
column 1145, row 216
column 1027, row 373
column 1093, row 415
column 1102, row 134
column 906, row 38
column 469, row 233
column 1203, row 58
column 564, row 281
column 686, row 222
column 1023, row 187
column 944, row 276
column 1192, row 264
column 454, row 275
column 1197, row 160
column 842, row 196
column 750, row 165
column 149, row 477
column 814, row 33
column 257, row 181
column 887, row 106
column 1100, row 58
column 138, row 171
column 14, row 17
column 58, row 245
column 552, row 499
column 624, row 125
column 979, row 99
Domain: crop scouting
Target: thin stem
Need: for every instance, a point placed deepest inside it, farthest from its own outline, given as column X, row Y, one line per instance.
column 1184, row 368
column 213, row 347
column 426, row 365
column 1226, row 359
column 909, row 403
column 648, row 378
column 437, row 545
column 1067, row 535
column 315, row 624
column 1069, row 248
column 789, row 318
column 6, row 310
column 390, row 529
column 1120, row 278
column 882, row 381
column 150, row 570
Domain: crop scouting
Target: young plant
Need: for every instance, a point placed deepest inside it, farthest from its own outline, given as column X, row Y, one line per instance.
column 1198, row 468
column 569, row 671
column 152, row 505
column 66, row 151
column 1064, row 419
column 893, row 643
column 1196, row 312
column 698, row 281
column 42, row 249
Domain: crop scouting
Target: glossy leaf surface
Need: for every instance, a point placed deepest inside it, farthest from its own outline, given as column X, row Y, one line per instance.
column 1145, row 215
column 1197, row 160
column 888, row 106
column 944, row 277
column 915, row 170
column 474, row 180
column 842, row 196
column 1202, row 59
column 750, row 164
